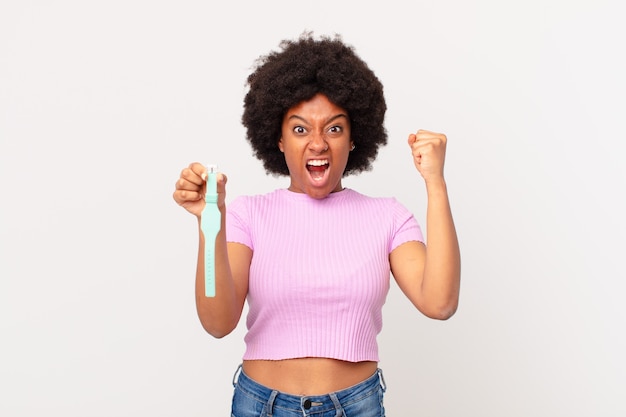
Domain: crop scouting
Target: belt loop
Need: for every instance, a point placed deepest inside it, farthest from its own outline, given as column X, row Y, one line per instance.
column 337, row 404
column 381, row 378
column 270, row 403
column 236, row 375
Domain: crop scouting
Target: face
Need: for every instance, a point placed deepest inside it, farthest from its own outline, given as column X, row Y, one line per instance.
column 316, row 143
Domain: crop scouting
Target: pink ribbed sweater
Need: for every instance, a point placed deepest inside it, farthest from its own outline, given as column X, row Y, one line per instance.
column 320, row 271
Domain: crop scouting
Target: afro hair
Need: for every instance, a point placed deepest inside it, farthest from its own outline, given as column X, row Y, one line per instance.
column 295, row 73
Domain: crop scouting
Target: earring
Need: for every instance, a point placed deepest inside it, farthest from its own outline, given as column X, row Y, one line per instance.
column 352, row 147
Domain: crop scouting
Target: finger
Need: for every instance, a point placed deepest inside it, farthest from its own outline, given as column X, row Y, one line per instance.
column 424, row 135
column 428, row 135
column 423, row 147
column 221, row 182
column 198, row 169
column 424, row 132
column 185, row 196
column 183, row 184
column 190, row 175
column 429, row 144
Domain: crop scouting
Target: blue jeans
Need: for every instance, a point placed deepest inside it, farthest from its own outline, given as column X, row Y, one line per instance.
column 252, row 399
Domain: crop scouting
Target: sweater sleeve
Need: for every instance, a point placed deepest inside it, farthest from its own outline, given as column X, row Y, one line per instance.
column 238, row 222
column 406, row 228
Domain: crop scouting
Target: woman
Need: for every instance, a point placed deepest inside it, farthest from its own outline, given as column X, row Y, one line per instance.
column 314, row 260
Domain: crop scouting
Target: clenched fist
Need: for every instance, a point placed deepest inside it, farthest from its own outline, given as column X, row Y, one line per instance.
column 429, row 153
column 191, row 188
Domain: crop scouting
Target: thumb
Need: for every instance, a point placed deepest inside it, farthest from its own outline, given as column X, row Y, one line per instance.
column 221, row 189
column 221, row 181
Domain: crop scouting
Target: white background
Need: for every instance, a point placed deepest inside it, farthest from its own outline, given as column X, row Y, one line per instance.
column 103, row 103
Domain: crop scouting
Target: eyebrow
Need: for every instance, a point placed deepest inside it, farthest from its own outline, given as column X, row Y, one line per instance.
column 330, row 120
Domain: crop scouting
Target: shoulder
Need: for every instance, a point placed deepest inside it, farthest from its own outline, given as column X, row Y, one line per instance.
column 245, row 205
column 252, row 199
column 388, row 210
column 381, row 202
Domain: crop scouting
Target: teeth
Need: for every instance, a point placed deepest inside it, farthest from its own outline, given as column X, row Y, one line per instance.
column 318, row 162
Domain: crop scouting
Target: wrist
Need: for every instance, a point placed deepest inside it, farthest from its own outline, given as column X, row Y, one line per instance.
column 436, row 184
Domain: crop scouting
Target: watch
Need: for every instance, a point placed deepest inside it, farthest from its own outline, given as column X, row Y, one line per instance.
column 210, row 223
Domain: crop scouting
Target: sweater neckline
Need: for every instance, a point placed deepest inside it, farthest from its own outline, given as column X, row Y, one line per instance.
column 294, row 196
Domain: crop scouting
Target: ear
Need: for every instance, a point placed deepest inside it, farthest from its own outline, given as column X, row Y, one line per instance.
column 280, row 145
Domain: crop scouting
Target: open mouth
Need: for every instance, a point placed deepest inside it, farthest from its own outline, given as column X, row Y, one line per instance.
column 317, row 168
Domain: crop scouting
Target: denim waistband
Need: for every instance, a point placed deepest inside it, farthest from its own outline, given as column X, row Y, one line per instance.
column 321, row 403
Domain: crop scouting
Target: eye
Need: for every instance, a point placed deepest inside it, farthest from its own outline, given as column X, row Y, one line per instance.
column 299, row 130
column 335, row 130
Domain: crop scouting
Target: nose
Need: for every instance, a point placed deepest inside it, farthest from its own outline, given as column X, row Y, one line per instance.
column 318, row 143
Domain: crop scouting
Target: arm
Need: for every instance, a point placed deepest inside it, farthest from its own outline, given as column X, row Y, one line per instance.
column 429, row 274
column 219, row 315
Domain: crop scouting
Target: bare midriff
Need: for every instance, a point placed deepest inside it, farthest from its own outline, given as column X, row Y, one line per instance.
column 308, row 376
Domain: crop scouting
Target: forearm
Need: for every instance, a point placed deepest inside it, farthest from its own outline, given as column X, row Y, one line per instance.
column 442, row 268
column 219, row 315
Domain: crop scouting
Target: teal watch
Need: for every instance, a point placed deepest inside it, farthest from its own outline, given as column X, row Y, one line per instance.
column 210, row 224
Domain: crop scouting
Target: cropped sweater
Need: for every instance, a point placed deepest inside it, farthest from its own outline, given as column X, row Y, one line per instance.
column 320, row 271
